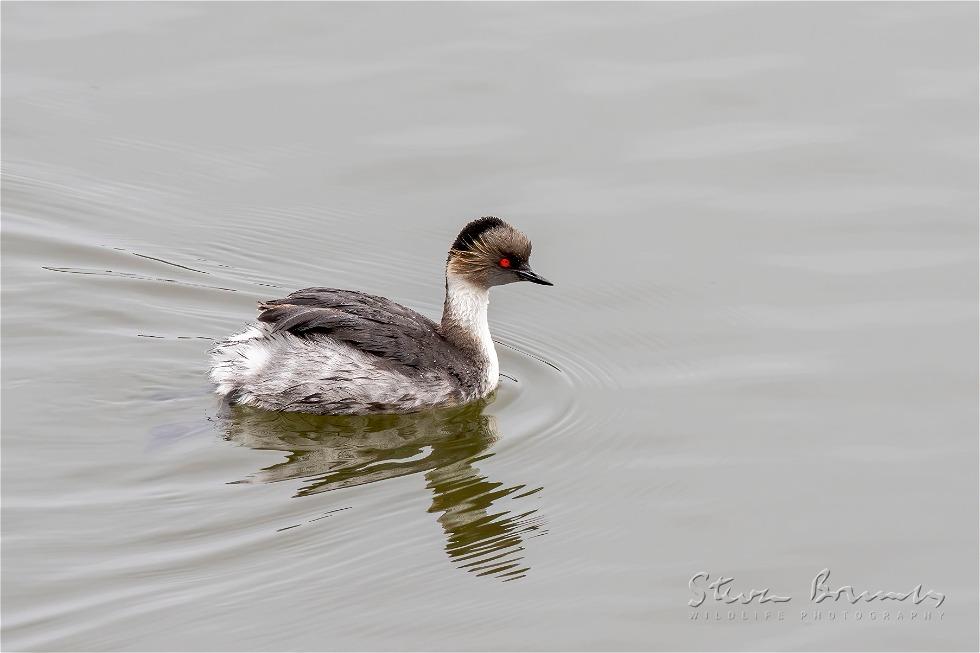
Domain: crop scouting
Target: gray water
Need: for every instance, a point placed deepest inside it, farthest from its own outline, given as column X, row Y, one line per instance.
column 759, row 359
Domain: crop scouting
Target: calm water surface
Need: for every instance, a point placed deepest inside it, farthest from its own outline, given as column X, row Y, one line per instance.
column 759, row 359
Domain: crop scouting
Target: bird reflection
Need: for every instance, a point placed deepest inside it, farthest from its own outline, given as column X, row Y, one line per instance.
column 330, row 453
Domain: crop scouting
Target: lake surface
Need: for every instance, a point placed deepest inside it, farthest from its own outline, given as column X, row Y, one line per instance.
column 759, row 359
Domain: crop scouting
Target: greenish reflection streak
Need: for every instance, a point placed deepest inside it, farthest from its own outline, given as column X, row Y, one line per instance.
column 335, row 452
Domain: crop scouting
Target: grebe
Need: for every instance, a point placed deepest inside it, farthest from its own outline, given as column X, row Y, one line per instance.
column 343, row 352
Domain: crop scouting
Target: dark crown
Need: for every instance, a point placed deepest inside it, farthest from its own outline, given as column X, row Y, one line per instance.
column 472, row 232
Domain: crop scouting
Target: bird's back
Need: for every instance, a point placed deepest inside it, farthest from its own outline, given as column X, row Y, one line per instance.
column 332, row 351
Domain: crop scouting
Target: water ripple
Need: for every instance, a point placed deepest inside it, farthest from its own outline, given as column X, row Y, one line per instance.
column 484, row 533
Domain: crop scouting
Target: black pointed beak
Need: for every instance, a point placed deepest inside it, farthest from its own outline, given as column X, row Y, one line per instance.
column 529, row 275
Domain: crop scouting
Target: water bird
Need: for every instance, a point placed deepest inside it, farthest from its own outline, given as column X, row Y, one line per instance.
column 343, row 352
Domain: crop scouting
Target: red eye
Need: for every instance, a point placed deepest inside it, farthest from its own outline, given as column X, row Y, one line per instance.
column 505, row 262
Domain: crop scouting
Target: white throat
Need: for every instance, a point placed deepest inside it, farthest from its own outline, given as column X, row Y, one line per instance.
column 466, row 306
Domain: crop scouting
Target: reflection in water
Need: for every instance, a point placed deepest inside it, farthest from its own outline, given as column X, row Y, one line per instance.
column 330, row 453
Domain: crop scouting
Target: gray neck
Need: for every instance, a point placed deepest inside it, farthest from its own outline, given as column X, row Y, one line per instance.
column 464, row 323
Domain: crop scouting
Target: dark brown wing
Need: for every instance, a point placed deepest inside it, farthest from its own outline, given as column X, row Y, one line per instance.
column 372, row 324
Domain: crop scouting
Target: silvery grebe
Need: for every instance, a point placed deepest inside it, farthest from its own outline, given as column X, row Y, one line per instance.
column 343, row 352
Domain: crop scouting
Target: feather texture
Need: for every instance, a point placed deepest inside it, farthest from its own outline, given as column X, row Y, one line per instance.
column 341, row 351
column 372, row 324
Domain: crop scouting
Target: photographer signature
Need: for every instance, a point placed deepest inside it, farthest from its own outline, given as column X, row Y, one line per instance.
column 820, row 590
